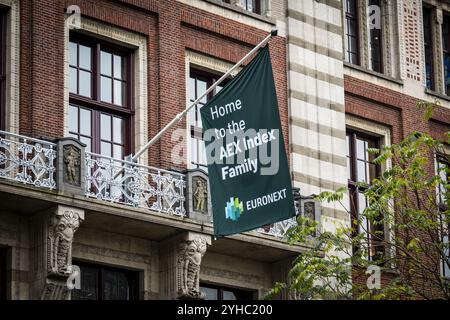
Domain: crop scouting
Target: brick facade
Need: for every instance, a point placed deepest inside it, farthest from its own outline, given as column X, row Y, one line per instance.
column 170, row 28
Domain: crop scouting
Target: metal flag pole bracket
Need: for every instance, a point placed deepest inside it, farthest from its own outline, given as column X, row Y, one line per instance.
column 179, row 116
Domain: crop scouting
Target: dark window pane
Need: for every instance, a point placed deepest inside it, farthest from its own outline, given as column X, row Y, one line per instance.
column 117, row 129
column 118, row 152
column 73, row 87
column 228, row 295
column 105, row 149
column 118, row 90
column 89, row 285
column 85, row 57
column 118, row 67
column 73, row 54
column 85, row 122
column 73, row 119
column 85, row 83
column 192, row 94
column 211, row 294
column 87, row 142
column 105, row 127
column 105, row 62
column 201, row 88
column 106, row 89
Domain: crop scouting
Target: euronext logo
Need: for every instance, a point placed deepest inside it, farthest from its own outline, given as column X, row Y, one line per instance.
column 234, row 209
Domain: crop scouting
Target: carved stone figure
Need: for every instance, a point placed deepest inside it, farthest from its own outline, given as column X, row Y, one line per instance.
column 62, row 228
column 200, row 194
column 190, row 255
column 72, row 161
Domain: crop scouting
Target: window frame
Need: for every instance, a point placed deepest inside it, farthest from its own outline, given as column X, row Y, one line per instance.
column 373, row 33
column 429, row 46
column 355, row 18
column 132, row 277
column 445, row 51
column 95, row 104
column 3, row 71
column 241, row 294
column 354, row 188
column 3, row 272
column 195, row 132
column 445, row 230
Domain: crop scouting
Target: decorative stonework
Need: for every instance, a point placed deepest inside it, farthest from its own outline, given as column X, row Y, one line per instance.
column 190, row 256
column 200, row 199
column 61, row 229
column 70, row 166
column 12, row 90
column 124, row 38
column 413, row 34
column 55, row 290
column 72, row 163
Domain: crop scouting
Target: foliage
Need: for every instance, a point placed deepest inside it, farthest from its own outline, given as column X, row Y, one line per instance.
column 403, row 200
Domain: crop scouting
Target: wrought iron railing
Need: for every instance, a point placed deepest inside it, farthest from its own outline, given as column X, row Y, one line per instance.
column 27, row 160
column 132, row 184
column 32, row 161
column 278, row 229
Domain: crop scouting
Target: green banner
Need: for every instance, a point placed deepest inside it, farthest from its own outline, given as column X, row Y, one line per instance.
column 247, row 163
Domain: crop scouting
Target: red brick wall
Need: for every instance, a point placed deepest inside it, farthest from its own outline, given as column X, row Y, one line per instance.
column 400, row 113
column 391, row 108
column 170, row 28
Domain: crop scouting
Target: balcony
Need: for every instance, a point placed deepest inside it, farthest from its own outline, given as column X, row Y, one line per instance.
column 50, row 166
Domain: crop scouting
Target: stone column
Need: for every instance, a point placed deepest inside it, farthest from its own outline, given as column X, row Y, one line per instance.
column 180, row 261
column 53, row 236
column 439, row 74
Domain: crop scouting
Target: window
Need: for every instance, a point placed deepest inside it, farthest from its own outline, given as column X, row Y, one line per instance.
column 3, row 266
column 3, row 29
column 100, row 86
column 446, row 52
column 428, row 46
column 199, row 82
column 223, row 293
column 375, row 43
column 249, row 5
column 362, row 169
column 104, row 283
column 443, row 166
column 351, row 32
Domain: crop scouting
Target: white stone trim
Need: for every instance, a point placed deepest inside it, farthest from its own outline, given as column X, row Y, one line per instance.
column 384, row 133
column 12, row 90
column 228, row 13
column 124, row 38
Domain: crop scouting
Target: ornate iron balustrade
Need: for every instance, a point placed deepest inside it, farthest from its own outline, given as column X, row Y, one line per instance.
column 132, row 184
column 31, row 161
column 27, row 160
column 278, row 229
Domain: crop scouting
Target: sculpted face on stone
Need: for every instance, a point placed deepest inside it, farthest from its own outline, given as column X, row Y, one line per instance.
column 62, row 228
column 188, row 268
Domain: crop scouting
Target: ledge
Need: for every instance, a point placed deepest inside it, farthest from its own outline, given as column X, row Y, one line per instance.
column 231, row 7
column 437, row 94
column 373, row 73
column 140, row 221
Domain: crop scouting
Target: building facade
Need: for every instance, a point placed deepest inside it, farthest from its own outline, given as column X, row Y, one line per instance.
column 86, row 83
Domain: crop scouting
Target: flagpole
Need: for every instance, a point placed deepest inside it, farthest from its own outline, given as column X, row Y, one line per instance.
column 179, row 116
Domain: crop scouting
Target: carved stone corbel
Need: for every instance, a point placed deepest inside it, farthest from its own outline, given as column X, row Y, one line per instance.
column 62, row 225
column 189, row 259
